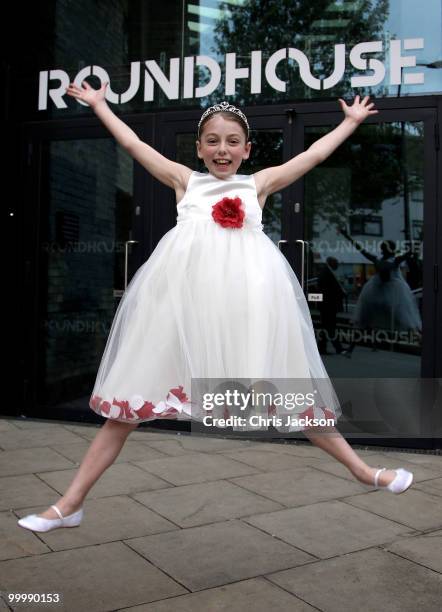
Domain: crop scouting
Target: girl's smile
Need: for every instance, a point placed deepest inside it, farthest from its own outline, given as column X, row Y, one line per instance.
column 222, row 146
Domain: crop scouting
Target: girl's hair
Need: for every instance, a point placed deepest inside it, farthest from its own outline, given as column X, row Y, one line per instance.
column 227, row 115
column 389, row 246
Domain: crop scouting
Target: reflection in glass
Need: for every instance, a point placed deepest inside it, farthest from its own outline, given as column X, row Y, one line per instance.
column 86, row 217
column 364, row 219
column 119, row 36
column 266, row 151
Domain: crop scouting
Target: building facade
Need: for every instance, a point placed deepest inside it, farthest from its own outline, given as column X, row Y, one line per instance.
column 84, row 216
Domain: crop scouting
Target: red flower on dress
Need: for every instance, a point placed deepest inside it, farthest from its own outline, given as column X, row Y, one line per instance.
column 228, row 212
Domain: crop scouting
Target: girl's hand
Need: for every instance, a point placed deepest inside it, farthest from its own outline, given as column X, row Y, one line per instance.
column 86, row 93
column 359, row 111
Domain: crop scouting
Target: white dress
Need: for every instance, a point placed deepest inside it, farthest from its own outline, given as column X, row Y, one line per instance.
column 213, row 302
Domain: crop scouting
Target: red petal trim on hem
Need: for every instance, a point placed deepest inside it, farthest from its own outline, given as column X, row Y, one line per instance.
column 145, row 413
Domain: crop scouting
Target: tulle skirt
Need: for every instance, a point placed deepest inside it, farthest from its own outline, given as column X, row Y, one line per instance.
column 213, row 303
column 387, row 305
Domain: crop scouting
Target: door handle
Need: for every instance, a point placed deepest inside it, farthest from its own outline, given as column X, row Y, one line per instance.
column 126, row 258
column 303, row 243
column 119, row 292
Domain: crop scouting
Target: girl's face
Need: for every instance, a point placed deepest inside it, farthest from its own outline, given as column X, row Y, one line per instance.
column 222, row 146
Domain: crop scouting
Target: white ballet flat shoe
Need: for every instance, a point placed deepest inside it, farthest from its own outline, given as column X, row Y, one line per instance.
column 38, row 523
column 401, row 483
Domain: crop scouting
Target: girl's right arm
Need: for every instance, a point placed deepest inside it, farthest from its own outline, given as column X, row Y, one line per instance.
column 170, row 173
column 356, row 244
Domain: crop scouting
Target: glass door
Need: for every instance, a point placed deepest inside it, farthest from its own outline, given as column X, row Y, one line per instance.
column 367, row 226
column 84, row 237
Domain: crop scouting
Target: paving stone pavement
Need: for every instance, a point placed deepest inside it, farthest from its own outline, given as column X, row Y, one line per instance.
column 193, row 523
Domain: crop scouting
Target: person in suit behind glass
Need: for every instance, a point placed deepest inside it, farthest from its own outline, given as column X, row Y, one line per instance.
column 332, row 303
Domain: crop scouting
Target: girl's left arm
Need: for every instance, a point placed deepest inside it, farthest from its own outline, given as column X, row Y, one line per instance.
column 276, row 178
column 400, row 258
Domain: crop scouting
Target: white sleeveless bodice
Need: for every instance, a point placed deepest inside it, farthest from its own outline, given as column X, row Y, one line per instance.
column 204, row 190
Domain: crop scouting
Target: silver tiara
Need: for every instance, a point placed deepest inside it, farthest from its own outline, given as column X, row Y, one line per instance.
column 223, row 106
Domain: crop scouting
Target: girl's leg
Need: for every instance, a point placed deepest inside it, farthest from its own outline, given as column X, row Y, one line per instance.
column 102, row 452
column 333, row 443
